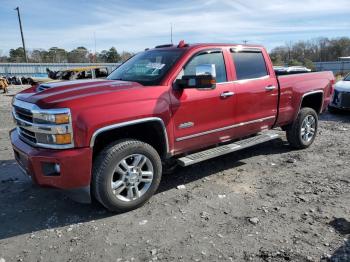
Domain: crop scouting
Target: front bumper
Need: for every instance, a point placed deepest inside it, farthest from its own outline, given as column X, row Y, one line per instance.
column 340, row 100
column 75, row 165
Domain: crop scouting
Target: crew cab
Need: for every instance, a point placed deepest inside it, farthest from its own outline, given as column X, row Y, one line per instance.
column 165, row 106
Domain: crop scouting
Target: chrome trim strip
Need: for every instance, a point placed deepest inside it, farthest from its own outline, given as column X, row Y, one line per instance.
column 244, row 80
column 311, row 93
column 37, row 110
column 129, row 123
column 224, row 128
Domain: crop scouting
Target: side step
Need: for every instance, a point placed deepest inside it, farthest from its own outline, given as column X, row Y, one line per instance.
column 225, row 149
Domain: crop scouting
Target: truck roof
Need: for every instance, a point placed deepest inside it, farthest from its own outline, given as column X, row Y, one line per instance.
column 182, row 44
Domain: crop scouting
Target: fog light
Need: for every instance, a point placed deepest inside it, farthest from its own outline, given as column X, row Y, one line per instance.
column 51, row 169
column 57, row 168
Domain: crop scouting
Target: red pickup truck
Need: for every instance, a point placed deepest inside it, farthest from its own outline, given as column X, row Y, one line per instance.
column 168, row 105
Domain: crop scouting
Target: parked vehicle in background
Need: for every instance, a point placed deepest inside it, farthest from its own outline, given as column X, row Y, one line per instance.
column 90, row 72
column 168, row 105
column 341, row 96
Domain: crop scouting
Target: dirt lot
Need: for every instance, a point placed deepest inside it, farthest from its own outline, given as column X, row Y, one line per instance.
column 267, row 203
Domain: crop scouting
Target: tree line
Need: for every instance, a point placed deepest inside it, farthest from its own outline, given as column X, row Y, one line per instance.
column 306, row 52
column 59, row 55
column 292, row 54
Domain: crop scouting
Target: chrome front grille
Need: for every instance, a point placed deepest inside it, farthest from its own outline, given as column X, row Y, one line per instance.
column 23, row 114
column 28, row 135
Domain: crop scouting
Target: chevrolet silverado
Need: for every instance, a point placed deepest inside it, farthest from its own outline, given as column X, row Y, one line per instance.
column 170, row 105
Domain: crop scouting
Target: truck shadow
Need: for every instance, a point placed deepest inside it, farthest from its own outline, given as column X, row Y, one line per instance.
column 25, row 208
column 341, row 116
column 342, row 226
column 199, row 171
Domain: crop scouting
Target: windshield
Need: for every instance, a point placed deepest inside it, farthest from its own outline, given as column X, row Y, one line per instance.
column 347, row 78
column 147, row 68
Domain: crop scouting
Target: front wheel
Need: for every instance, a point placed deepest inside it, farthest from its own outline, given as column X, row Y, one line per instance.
column 302, row 132
column 126, row 174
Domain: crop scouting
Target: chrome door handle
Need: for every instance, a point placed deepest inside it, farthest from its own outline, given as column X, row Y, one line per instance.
column 226, row 94
column 270, row 88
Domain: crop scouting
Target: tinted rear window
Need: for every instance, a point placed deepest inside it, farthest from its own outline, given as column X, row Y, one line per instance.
column 249, row 65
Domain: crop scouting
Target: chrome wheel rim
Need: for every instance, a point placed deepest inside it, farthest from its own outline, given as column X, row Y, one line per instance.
column 132, row 177
column 308, row 128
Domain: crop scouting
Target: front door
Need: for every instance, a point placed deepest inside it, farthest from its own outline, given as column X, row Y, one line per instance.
column 200, row 114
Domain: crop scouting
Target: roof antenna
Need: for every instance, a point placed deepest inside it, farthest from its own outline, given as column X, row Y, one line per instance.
column 171, row 33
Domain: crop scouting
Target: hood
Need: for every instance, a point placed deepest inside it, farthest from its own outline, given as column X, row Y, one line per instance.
column 70, row 93
column 342, row 86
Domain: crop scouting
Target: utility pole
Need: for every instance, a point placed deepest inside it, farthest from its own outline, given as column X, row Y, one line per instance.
column 95, row 46
column 245, row 41
column 20, row 27
column 171, row 33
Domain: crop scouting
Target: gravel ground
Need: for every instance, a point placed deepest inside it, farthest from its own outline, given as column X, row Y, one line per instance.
column 266, row 203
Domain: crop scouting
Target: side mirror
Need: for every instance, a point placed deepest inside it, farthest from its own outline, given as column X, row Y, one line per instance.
column 206, row 69
column 205, row 78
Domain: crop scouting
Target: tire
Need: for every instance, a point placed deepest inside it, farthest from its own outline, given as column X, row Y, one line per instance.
column 124, row 164
column 296, row 136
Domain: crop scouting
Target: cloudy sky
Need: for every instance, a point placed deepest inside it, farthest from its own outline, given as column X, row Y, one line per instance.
column 135, row 25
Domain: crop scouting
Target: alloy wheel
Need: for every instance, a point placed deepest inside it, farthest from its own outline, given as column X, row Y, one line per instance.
column 132, row 177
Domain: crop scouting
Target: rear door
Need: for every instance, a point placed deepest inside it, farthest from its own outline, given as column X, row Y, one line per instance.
column 256, row 91
column 198, row 115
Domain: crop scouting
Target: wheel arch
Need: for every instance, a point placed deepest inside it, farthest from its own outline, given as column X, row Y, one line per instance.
column 151, row 130
column 313, row 99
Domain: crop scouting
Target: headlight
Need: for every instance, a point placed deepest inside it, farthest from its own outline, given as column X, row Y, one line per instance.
column 57, row 119
column 59, row 124
column 49, row 128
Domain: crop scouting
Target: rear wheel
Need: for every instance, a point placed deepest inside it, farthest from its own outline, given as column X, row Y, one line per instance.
column 302, row 133
column 126, row 174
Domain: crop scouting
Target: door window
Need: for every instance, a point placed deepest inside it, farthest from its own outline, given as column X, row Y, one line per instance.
column 215, row 58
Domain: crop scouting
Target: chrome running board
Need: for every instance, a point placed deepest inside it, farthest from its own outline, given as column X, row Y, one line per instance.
column 226, row 149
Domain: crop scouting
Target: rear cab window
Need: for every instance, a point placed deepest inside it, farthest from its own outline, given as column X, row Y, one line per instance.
column 249, row 64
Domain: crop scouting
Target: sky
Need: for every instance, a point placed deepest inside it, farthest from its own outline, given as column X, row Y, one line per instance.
column 136, row 25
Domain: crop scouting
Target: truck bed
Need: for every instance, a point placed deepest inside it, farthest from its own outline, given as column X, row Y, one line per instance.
column 294, row 86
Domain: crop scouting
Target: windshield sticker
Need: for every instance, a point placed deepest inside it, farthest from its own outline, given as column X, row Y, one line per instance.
column 155, row 65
